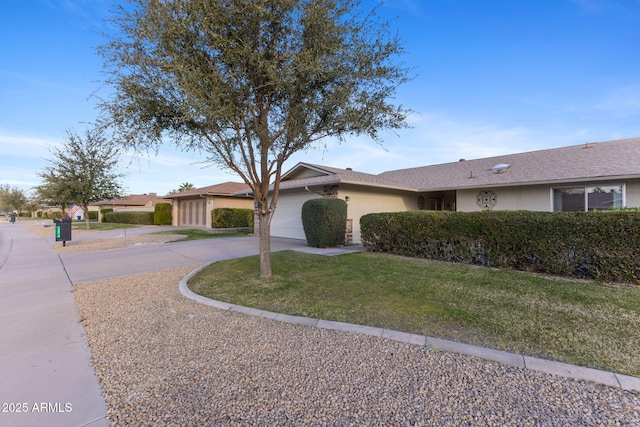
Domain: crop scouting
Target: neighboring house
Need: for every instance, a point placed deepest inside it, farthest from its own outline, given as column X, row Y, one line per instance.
column 578, row 178
column 193, row 207
column 133, row 202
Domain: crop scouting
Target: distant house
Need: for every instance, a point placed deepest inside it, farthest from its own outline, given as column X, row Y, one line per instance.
column 133, row 202
column 193, row 207
column 585, row 177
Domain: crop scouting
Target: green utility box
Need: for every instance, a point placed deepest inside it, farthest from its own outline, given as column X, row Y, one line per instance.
column 63, row 230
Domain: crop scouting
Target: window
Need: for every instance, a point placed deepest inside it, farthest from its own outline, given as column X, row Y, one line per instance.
column 588, row 198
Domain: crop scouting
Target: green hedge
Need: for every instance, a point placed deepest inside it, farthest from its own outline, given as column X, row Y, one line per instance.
column 251, row 220
column 231, row 218
column 133, row 217
column 162, row 214
column 324, row 222
column 51, row 215
column 104, row 213
column 93, row 215
column 600, row 245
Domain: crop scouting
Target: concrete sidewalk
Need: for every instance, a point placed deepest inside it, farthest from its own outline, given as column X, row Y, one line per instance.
column 46, row 376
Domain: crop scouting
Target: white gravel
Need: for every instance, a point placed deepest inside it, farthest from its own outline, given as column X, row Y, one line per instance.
column 163, row 359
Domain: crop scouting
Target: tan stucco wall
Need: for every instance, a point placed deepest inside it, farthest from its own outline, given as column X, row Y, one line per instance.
column 538, row 197
column 232, row 202
column 362, row 202
column 533, row 198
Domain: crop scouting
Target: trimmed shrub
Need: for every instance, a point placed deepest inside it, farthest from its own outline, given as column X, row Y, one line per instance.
column 133, row 217
column 93, row 215
column 231, row 218
column 52, row 215
column 104, row 213
column 162, row 214
column 599, row 245
column 251, row 220
column 324, row 222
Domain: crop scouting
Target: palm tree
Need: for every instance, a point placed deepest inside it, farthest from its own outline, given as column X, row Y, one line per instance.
column 185, row 186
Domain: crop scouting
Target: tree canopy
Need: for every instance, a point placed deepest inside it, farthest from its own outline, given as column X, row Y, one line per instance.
column 12, row 198
column 248, row 83
column 82, row 171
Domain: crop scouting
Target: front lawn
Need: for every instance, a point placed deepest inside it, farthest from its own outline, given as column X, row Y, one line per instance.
column 579, row 322
column 96, row 226
column 199, row 234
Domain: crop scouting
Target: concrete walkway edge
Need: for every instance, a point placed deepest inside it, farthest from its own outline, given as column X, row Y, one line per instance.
column 610, row 379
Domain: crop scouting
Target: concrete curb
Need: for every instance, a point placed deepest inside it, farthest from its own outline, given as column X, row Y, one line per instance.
column 610, row 379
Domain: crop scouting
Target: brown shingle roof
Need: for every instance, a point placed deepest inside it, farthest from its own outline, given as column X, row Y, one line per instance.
column 592, row 161
column 134, row 200
column 224, row 189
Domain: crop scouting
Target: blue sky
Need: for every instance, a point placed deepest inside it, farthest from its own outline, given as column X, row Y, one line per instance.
column 493, row 77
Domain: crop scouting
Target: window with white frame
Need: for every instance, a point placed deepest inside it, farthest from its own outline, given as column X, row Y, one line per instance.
column 588, row 198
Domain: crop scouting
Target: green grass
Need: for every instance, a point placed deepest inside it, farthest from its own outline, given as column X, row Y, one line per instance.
column 198, row 234
column 81, row 225
column 579, row 322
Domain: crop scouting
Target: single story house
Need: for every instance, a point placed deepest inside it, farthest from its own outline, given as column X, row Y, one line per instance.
column 584, row 177
column 193, row 207
column 132, row 202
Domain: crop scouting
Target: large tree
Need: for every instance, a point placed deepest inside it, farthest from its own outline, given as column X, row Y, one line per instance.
column 251, row 82
column 82, row 171
column 12, row 198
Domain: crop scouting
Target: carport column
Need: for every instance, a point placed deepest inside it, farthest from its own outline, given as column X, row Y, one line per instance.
column 209, row 202
column 175, row 212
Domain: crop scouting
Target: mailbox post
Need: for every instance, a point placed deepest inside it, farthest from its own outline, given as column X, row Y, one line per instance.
column 63, row 230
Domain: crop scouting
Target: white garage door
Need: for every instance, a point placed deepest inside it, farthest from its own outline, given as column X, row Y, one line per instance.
column 287, row 221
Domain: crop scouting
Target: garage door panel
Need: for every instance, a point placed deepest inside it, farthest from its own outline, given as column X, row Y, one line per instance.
column 287, row 221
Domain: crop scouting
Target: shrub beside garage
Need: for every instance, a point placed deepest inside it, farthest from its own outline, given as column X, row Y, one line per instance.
column 232, row 218
column 132, row 217
column 600, row 245
column 324, row 222
column 104, row 212
column 162, row 214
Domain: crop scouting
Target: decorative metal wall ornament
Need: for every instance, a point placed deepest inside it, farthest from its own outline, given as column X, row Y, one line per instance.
column 486, row 199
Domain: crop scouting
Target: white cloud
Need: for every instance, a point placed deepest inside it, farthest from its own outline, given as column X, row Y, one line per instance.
column 25, row 146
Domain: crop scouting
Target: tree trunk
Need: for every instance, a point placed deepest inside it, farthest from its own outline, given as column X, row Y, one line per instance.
column 264, row 225
column 86, row 217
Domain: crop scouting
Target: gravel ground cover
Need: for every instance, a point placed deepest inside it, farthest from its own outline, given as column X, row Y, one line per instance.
column 104, row 244
column 163, row 359
column 89, row 245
